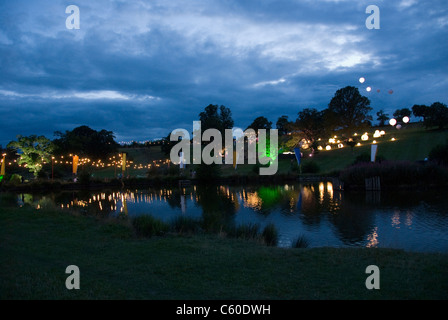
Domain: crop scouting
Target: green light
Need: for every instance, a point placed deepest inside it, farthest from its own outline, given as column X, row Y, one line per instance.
column 264, row 151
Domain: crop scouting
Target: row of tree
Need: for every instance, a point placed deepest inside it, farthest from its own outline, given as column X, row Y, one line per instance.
column 348, row 112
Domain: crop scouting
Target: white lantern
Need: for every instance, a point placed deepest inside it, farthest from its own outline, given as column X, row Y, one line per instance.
column 365, row 137
column 406, row 119
column 392, row 122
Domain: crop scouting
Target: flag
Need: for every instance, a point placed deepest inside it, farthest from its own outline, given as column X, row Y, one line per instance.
column 123, row 160
column 373, row 152
column 181, row 163
column 298, row 155
column 75, row 164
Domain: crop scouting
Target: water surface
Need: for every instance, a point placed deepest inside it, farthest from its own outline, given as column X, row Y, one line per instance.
column 410, row 220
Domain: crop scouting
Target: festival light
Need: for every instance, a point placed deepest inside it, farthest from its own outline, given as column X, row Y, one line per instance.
column 377, row 134
column 392, row 122
column 406, row 119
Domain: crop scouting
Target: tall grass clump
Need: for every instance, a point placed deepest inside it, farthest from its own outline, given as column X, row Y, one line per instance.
column 301, row 242
column 186, row 225
column 270, row 235
column 148, row 226
column 249, row 231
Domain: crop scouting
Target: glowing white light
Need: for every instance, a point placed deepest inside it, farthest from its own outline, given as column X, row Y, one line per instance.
column 328, row 148
column 365, row 137
column 369, row 89
column 362, row 80
column 406, row 119
column 340, row 146
column 377, row 134
column 392, row 122
column 382, row 132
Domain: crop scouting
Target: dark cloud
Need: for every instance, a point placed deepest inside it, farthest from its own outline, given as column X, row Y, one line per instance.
column 141, row 69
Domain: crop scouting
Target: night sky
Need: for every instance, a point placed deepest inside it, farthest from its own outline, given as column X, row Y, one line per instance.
column 144, row 68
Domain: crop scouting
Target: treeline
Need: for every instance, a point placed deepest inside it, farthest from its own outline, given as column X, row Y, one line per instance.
column 347, row 113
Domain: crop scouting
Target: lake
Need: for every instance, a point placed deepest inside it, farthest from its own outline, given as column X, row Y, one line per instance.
column 410, row 220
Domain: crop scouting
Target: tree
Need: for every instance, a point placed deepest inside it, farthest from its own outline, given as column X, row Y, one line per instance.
column 282, row 125
column 308, row 126
column 211, row 118
column 436, row 116
column 350, row 109
column 260, row 123
column 310, row 123
column 420, row 111
column 382, row 117
column 86, row 142
column 399, row 114
column 33, row 151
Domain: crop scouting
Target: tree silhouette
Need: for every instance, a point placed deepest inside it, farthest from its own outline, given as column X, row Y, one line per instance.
column 350, row 109
column 382, row 117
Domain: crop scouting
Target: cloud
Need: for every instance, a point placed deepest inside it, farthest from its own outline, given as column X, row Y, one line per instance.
column 87, row 95
column 142, row 68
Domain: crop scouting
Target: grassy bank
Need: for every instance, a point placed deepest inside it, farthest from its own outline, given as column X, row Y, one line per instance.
column 37, row 246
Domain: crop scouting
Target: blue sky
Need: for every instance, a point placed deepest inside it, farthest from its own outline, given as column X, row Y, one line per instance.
column 144, row 68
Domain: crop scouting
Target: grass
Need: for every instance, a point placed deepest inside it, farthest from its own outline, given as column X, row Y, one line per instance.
column 301, row 242
column 37, row 246
column 412, row 143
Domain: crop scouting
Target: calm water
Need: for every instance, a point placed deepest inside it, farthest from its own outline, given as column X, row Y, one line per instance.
column 414, row 221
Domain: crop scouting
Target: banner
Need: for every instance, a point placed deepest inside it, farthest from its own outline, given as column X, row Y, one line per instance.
column 373, row 152
column 123, row 160
column 182, row 163
column 298, row 155
column 75, row 164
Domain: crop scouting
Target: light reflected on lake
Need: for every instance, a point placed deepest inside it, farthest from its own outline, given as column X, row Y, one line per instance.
column 325, row 216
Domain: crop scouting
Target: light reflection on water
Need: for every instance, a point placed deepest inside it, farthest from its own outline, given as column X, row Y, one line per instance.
column 415, row 221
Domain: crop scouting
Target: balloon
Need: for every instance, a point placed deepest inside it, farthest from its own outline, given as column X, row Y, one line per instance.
column 391, row 91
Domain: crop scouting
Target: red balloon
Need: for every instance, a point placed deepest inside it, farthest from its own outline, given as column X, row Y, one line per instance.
column 391, row 91
column 378, row 90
